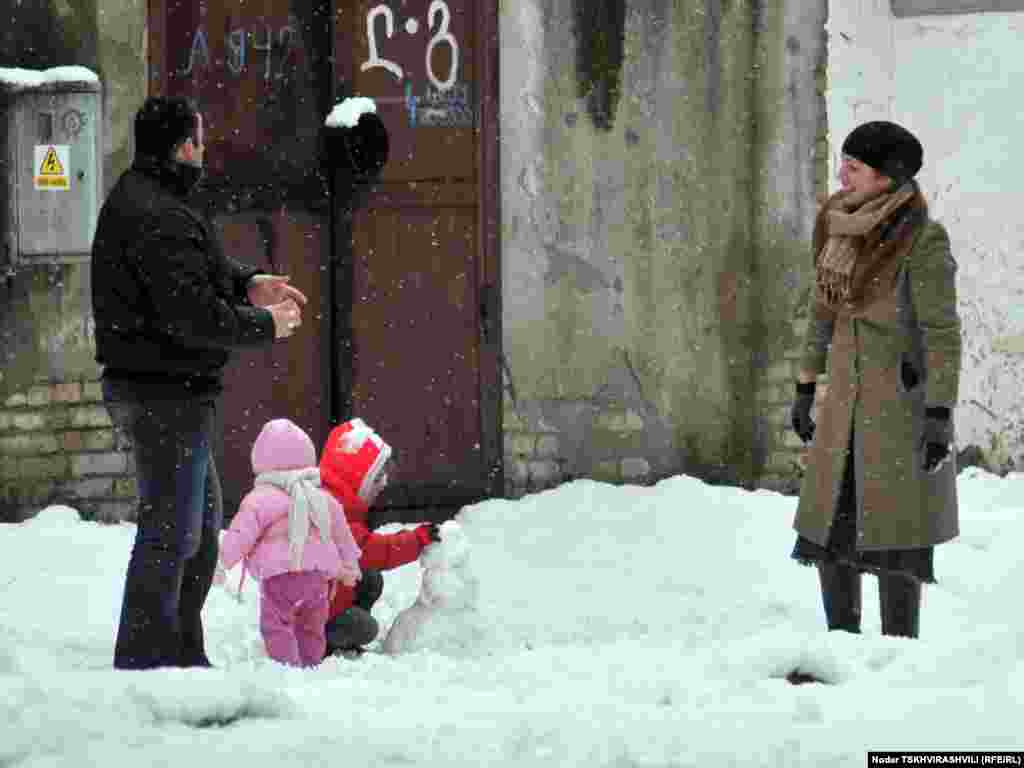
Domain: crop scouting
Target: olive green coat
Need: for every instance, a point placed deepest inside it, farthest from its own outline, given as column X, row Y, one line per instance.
column 898, row 504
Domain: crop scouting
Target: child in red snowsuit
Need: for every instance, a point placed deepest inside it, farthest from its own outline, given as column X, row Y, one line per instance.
column 354, row 470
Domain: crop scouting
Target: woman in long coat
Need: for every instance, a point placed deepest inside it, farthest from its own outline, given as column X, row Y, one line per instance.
column 880, row 488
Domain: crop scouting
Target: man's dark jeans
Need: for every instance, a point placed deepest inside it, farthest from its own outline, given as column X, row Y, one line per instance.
column 176, row 546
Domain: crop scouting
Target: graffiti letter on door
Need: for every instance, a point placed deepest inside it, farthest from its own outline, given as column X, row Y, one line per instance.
column 262, row 39
column 371, row 34
column 442, row 35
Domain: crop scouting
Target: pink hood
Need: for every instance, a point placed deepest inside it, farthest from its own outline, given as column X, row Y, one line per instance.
column 281, row 444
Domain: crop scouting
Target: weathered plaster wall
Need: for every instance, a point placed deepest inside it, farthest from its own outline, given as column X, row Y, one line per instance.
column 48, row 421
column 121, row 65
column 951, row 80
column 791, row 155
column 652, row 256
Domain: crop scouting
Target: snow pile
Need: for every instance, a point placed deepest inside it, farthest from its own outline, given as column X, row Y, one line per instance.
column 444, row 617
column 348, row 112
column 589, row 625
column 17, row 79
column 56, row 516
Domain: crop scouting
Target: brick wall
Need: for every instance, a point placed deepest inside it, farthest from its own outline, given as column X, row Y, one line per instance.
column 536, row 457
column 533, row 459
column 57, row 446
column 785, row 464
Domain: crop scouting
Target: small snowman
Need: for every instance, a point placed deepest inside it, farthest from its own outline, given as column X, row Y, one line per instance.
column 441, row 616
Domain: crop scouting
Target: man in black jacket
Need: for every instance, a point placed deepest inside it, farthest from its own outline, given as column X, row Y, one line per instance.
column 169, row 307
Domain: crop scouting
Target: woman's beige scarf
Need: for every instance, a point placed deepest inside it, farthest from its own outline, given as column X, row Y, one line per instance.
column 854, row 266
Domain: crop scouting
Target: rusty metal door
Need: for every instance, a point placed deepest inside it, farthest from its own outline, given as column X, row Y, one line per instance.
column 417, row 273
column 260, row 72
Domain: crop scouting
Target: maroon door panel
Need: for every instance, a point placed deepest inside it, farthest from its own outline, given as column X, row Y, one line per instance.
column 260, row 73
column 419, row 253
column 287, row 379
column 414, row 356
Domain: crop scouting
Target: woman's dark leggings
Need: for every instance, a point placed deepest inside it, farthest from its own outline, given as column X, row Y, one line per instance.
column 899, row 596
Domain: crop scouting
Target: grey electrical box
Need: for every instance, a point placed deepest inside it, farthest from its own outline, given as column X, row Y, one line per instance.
column 50, row 164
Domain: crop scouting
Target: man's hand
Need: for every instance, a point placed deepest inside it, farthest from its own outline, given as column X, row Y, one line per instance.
column 266, row 290
column 287, row 317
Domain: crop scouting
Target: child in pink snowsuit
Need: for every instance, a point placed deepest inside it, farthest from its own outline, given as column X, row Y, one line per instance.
column 294, row 539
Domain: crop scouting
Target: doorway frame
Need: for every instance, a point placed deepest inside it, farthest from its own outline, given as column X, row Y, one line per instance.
column 338, row 242
column 488, row 216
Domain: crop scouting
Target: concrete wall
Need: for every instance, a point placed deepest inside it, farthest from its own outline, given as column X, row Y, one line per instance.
column 55, row 439
column 951, row 80
column 655, row 230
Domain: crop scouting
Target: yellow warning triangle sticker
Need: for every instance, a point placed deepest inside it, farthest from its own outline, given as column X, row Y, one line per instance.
column 51, row 164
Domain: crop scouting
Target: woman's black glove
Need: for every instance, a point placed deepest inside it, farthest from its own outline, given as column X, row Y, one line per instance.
column 800, row 416
column 938, row 438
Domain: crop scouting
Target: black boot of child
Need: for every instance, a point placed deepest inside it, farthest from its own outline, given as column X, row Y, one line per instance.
column 356, row 627
column 369, row 589
column 351, row 630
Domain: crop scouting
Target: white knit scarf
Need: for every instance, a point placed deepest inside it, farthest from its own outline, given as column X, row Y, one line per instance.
column 303, row 485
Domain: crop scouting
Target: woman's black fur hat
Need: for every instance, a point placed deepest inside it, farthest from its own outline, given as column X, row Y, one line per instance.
column 887, row 147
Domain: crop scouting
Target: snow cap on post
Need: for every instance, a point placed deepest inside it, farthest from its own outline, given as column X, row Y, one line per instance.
column 356, row 137
column 348, row 112
column 65, row 79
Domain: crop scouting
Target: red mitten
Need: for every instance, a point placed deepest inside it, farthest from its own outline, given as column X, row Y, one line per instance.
column 428, row 533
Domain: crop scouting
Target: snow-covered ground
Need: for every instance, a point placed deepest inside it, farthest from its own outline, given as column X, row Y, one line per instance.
column 612, row 626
